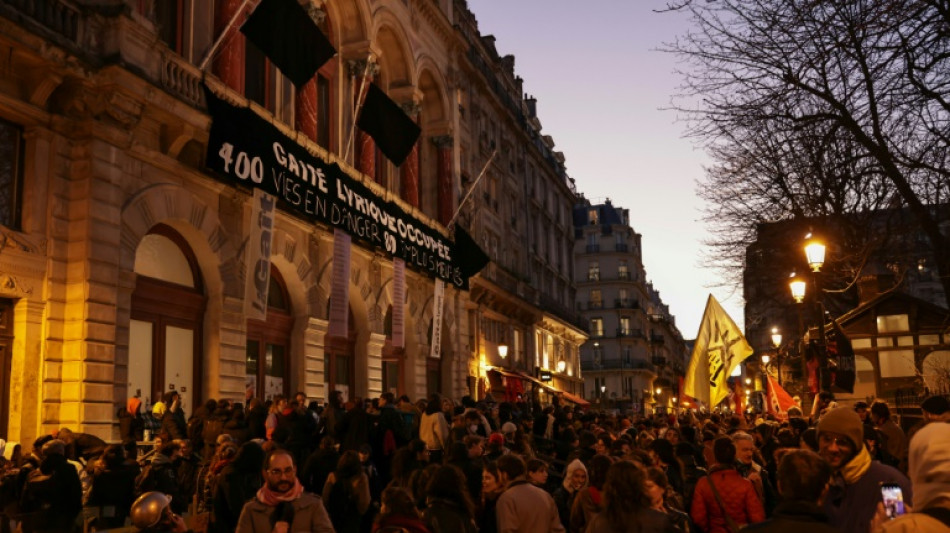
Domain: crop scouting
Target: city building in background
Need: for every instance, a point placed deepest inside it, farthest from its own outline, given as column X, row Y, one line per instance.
column 877, row 282
column 123, row 270
column 636, row 356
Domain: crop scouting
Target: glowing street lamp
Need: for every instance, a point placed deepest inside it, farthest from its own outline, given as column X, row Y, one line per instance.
column 503, row 350
column 776, row 337
column 561, row 365
column 814, row 252
column 797, row 285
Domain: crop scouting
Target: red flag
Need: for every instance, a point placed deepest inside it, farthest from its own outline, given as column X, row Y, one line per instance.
column 779, row 399
column 812, row 365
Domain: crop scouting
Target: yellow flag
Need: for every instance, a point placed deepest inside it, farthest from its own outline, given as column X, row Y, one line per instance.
column 719, row 348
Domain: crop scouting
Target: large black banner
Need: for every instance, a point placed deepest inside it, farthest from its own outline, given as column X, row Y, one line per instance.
column 251, row 151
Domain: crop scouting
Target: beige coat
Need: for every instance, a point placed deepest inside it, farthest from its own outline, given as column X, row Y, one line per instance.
column 309, row 515
column 524, row 508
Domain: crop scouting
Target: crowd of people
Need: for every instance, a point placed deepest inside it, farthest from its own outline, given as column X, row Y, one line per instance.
column 432, row 466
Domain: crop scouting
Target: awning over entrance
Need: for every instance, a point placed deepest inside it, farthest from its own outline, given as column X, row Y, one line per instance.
column 575, row 399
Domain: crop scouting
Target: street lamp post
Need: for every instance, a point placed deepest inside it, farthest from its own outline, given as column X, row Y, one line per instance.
column 815, row 255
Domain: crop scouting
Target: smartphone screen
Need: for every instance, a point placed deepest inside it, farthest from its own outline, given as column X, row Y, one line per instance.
column 893, row 500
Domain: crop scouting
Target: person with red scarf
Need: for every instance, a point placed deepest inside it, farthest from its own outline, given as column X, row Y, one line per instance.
column 281, row 505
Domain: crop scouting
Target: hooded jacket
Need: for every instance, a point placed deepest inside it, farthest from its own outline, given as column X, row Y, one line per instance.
column 929, row 471
column 565, row 494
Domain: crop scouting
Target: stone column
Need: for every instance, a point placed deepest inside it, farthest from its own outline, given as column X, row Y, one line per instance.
column 409, row 170
column 305, row 110
column 315, row 365
column 229, row 62
column 446, row 201
column 372, row 379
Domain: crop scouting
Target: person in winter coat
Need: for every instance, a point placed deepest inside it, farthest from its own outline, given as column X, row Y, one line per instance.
column 159, row 475
column 575, row 480
column 236, row 426
column 856, row 483
column 256, row 419
column 237, row 483
column 929, row 470
column 627, row 504
column 449, row 509
column 52, row 496
column 398, row 514
column 81, row 446
column 740, row 503
column 173, row 421
column 281, row 504
column 131, row 423
column 803, row 478
column 589, row 501
column 319, row 465
column 662, row 497
column 113, row 488
column 434, row 429
column 524, row 508
column 346, row 493
column 353, row 427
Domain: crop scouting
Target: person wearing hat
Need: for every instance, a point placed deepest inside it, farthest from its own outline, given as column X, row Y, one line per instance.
column 52, row 497
column 856, row 482
column 936, row 409
column 152, row 513
column 929, row 470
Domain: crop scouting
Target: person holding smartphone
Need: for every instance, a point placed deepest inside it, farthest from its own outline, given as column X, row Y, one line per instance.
column 855, row 491
column 929, row 469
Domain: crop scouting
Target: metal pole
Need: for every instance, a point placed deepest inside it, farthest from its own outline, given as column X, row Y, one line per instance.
column 224, row 34
column 824, row 377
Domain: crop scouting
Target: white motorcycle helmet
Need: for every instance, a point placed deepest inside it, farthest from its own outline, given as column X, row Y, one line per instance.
column 148, row 509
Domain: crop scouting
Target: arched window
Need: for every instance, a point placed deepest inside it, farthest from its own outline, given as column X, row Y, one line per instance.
column 267, row 354
column 168, row 306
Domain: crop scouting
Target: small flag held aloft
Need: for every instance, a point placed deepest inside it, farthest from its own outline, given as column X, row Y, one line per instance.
column 287, row 35
column 394, row 132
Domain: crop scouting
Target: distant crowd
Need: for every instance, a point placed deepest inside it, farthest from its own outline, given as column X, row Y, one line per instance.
column 433, row 466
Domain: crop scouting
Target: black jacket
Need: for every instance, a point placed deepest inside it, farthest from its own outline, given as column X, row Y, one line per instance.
column 52, row 497
column 795, row 517
column 114, row 492
column 131, row 428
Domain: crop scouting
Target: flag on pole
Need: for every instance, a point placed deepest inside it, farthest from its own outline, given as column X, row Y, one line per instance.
column 779, row 399
column 841, row 355
column 284, row 31
column 392, row 129
column 720, row 347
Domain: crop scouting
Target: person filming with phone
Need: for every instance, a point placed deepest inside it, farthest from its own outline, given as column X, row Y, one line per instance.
column 855, row 490
column 929, row 469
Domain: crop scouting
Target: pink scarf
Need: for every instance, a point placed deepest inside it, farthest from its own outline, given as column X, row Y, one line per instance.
column 271, row 498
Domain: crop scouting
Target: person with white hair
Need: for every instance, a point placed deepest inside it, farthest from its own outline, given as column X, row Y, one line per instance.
column 929, row 471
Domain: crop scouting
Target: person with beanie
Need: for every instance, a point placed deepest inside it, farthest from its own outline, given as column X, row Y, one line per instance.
column 936, row 409
column 856, row 481
column 929, row 470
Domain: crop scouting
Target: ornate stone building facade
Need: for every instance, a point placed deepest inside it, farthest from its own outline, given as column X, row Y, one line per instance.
column 122, row 256
column 636, row 355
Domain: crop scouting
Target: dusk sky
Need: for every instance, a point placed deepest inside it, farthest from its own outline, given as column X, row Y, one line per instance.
column 601, row 86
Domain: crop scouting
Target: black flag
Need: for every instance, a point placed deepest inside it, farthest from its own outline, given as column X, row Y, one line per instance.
column 394, row 132
column 287, row 35
column 468, row 255
column 841, row 355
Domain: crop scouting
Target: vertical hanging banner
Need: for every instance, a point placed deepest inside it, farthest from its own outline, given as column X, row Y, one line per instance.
column 399, row 301
column 340, row 287
column 257, row 277
column 438, row 299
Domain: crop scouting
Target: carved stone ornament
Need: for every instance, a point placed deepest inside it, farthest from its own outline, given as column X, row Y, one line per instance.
column 13, row 285
column 358, row 67
column 17, row 241
column 411, row 108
